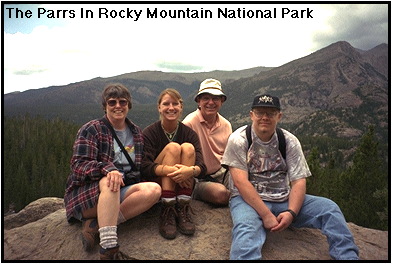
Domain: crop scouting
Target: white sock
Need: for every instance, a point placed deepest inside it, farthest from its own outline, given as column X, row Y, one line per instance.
column 168, row 200
column 108, row 236
column 183, row 198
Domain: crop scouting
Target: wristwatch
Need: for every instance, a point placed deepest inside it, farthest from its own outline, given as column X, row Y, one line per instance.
column 294, row 215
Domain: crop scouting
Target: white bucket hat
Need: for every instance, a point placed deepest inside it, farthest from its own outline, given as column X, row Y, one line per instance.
column 211, row 86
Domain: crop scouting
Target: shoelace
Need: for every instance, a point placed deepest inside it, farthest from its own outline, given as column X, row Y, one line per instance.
column 184, row 211
column 167, row 212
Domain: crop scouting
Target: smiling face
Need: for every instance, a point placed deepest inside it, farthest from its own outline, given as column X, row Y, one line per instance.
column 170, row 108
column 117, row 109
column 264, row 120
column 209, row 104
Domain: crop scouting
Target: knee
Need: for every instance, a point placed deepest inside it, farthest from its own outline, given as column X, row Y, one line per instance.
column 188, row 149
column 174, row 149
column 330, row 205
column 222, row 196
column 103, row 185
column 106, row 192
column 152, row 190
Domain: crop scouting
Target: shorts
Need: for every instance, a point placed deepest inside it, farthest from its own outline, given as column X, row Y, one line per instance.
column 123, row 191
column 221, row 176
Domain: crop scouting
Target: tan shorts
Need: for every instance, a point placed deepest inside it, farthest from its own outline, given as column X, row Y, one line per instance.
column 200, row 184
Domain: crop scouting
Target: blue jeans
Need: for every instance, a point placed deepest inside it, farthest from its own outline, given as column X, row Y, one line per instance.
column 249, row 235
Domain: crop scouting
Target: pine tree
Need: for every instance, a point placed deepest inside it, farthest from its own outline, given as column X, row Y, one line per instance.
column 362, row 185
column 314, row 181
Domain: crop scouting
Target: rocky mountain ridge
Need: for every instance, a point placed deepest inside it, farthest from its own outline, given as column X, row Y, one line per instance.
column 40, row 232
column 335, row 88
column 336, row 91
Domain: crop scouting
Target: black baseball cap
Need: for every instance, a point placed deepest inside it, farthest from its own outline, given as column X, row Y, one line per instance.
column 266, row 100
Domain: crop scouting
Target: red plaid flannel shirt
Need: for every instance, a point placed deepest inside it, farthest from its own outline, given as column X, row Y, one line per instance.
column 92, row 159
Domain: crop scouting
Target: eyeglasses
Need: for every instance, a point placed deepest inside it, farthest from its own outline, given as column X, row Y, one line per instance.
column 113, row 102
column 260, row 114
column 207, row 98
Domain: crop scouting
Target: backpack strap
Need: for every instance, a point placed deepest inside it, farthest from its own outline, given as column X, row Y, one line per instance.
column 282, row 146
column 248, row 134
column 281, row 140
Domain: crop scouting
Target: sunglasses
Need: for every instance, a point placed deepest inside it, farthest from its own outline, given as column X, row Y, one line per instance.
column 113, row 102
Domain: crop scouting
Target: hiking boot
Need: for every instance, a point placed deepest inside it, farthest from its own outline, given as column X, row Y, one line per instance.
column 89, row 235
column 113, row 254
column 168, row 220
column 184, row 221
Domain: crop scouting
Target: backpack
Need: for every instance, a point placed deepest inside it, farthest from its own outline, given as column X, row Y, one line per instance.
column 281, row 140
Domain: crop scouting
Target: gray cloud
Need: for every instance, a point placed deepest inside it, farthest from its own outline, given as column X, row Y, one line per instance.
column 28, row 71
column 178, row 67
column 364, row 26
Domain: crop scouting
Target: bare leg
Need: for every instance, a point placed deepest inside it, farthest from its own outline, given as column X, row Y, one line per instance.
column 215, row 193
column 108, row 205
column 139, row 198
column 187, row 154
column 169, row 156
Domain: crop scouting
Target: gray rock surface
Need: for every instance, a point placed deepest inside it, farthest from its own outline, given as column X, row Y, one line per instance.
column 50, row 237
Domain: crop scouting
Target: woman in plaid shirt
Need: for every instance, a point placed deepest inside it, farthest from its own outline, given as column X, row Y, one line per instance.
column 95, row 191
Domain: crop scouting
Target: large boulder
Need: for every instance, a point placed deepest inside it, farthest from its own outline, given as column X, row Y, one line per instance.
column 51, row 237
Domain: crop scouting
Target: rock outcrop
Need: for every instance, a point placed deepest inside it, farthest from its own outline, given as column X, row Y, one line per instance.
column 48, row 236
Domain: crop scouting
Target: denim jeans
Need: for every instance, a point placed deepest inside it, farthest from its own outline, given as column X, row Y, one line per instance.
column 249, row 235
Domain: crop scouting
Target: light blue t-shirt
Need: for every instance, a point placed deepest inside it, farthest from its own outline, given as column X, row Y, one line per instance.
column 127, row 139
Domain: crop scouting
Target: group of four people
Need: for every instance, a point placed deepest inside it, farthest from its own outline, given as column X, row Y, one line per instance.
column 119, row 171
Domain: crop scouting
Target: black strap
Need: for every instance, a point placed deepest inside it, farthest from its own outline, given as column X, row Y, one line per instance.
column 107, row 123
column 281, row 140
column 281, row 143
column 225, row 175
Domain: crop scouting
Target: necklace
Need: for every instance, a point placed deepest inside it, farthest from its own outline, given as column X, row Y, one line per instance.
column 171, row 135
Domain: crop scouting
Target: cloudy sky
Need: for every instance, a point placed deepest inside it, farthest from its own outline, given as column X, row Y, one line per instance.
column 58, row 44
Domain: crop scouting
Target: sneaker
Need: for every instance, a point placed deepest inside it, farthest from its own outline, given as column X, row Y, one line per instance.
column 113, row 254
column 184, row 221
column 168, row 220
column 89, row 235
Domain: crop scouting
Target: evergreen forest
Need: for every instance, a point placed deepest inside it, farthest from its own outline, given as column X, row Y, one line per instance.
column 37, row 153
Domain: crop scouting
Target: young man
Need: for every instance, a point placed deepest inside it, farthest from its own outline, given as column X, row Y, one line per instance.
column 268, row 192
column 213, row 131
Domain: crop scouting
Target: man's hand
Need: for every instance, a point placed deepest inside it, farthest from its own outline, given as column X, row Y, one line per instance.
column 284, row 220
column 270, row 221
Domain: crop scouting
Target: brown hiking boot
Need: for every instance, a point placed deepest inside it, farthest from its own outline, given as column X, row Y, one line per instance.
column 89, row 235
column 184, row 222
column 113, row 254
column 168, row 220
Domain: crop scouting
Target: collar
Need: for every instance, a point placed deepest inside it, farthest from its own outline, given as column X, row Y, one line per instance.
column 202, row 119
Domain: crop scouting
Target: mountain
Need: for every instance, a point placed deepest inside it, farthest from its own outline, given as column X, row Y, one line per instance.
column 80, row 102
column 337, row 91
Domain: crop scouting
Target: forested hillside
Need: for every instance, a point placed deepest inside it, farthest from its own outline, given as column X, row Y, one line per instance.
column 37, row 154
